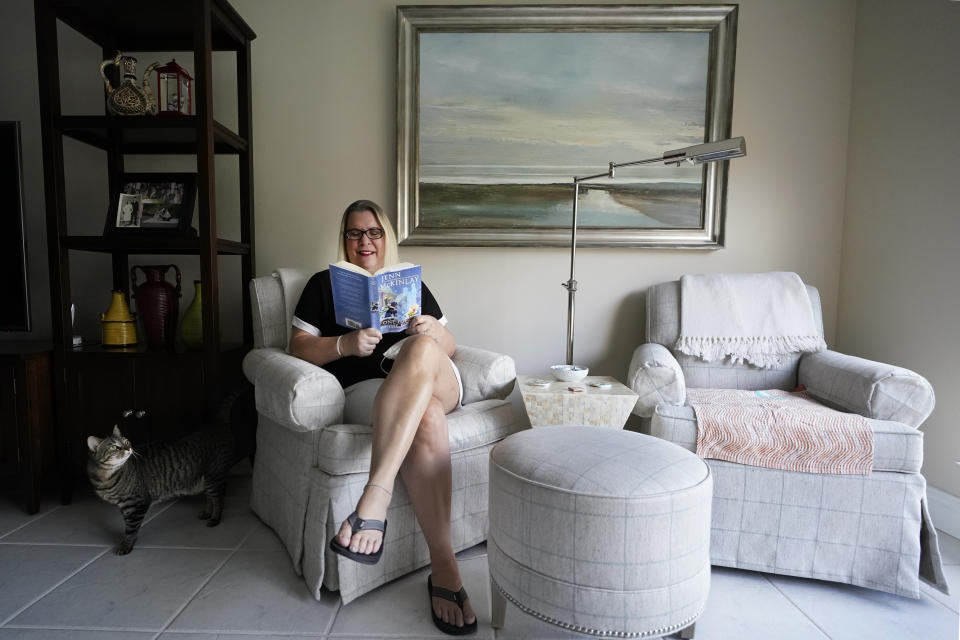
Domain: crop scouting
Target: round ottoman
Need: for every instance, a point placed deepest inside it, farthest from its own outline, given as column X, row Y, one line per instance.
column 601, row 531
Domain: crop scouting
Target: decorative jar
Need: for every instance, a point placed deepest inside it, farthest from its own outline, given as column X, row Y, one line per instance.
column 158, row 304
column 118, row 326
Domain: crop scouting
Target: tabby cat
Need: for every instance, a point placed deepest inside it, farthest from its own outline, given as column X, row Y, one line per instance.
column 132, row 480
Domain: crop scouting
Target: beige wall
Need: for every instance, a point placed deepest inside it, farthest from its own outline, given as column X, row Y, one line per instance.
column 900, row 273
column 324, row 116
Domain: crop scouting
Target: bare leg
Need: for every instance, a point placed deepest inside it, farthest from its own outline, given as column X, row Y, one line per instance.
column 426, row 474
column 420, row 374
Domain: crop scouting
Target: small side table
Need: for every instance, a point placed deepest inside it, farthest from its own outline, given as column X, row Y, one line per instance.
column 557, row 405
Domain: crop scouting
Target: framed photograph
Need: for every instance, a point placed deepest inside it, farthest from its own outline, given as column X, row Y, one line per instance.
column 500, row 107
column 153, row 203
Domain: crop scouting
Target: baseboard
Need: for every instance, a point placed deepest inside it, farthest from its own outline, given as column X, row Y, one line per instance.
column 944, row 510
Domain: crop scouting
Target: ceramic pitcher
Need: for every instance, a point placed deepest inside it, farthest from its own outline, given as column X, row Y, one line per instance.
column 128, row 99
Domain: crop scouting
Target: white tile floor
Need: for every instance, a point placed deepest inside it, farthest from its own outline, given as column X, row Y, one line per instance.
column 59, row 579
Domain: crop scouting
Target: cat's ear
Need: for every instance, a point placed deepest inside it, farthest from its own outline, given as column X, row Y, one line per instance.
column 93, row 442
column 116, row 432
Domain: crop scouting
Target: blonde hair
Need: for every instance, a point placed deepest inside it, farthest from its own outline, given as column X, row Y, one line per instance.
column 391, row 254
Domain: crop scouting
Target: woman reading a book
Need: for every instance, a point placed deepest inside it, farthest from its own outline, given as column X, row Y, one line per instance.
column 410, row 435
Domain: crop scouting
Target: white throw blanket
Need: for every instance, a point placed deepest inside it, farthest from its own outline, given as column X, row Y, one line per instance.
column 752, row 317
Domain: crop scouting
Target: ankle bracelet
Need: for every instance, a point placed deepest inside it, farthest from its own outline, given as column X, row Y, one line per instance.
column 381, row 487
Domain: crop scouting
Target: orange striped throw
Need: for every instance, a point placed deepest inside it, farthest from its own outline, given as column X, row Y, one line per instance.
column 780, row 430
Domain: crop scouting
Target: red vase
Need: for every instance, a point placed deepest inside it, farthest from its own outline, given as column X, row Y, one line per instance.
column 158, row 304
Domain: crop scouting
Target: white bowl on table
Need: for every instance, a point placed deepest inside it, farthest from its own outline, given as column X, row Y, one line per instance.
column 569, row 372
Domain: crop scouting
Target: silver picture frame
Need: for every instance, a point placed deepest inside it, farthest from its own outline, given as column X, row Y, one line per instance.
column 717, row 23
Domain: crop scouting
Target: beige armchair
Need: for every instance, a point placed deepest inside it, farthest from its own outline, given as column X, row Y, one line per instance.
column 869, row 530
column 313, row 450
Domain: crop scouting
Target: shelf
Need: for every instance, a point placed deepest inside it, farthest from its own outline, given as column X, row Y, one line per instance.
column 147, row 25
column 159, row 245
column 24, row 347
column 97, row 350
column 148, row 134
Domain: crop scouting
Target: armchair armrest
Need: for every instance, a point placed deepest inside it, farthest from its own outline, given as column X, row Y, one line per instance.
column 485, row 374
column 872, row 389
column 655, row 376
column 292, row 392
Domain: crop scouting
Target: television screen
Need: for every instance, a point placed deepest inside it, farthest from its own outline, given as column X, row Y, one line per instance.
column 14, row 288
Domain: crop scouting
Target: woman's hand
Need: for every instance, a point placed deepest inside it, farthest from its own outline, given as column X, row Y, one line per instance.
column 361, row 342
column 424, row 326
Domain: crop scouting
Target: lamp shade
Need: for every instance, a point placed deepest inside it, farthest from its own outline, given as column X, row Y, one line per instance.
column 708, row 152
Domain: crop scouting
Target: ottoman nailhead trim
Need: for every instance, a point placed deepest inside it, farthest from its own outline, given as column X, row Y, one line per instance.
column 598, row 632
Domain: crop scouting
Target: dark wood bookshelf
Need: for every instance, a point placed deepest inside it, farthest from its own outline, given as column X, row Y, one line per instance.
column 176, row 389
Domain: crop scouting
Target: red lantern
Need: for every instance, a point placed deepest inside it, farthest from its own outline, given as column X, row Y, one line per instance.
column 174, row 90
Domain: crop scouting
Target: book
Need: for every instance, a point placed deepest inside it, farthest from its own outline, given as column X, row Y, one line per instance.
column 385, row 300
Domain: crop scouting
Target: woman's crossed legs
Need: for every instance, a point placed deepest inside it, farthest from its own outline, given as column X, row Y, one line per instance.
column 410, row 438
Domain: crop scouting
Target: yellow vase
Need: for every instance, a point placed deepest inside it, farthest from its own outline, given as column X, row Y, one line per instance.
column 191, row 329
column 118, row 327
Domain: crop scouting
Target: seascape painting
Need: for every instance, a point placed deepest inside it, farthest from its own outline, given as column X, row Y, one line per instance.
column 500, row 140
column 500, row 108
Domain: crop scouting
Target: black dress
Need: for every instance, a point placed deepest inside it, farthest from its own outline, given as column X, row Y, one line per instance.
column 314, row 314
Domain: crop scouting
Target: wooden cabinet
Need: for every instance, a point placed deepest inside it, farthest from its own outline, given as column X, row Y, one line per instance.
column 151, row 397
column 95, row 386
column 26, row 418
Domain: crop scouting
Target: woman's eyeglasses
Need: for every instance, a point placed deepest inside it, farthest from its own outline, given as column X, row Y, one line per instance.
column 374, row 233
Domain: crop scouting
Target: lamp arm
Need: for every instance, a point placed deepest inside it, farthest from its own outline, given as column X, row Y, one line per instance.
column 634, row 163
column 697, row 154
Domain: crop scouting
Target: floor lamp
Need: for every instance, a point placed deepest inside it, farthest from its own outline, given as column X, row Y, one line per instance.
column 697, row 154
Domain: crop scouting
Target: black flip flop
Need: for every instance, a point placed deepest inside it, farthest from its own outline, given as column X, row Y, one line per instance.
column 359, row 524
column 456, row 597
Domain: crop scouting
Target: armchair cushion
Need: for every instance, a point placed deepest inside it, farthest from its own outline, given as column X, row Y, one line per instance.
column 896, row 447
column 485, row 374
column 872, row 389
column 343, row 449
column 293, row 392
column 358, row 404
column 655, row 376
column 270, row 324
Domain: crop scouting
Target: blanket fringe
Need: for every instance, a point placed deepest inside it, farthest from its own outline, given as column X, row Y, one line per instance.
column 760, row 351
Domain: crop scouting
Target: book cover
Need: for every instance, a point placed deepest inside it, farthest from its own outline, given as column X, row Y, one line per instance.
column 385, row 300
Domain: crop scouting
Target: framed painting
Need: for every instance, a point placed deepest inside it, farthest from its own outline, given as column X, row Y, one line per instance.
column 150, row 203
column 500, row 107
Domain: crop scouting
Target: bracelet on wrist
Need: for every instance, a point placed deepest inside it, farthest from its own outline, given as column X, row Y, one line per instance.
column 339, row 353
